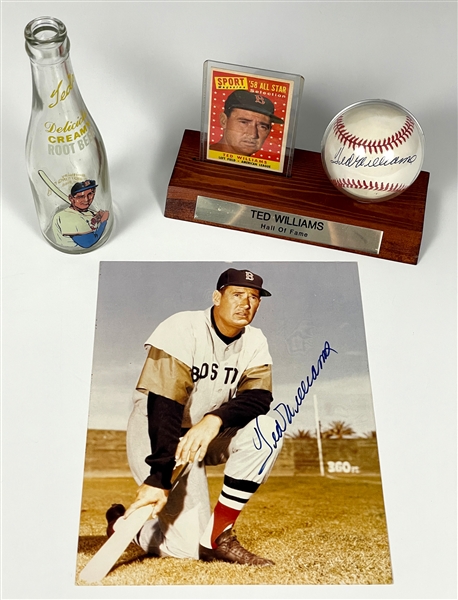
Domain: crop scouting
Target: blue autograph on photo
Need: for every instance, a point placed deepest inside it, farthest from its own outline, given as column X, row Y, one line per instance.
column 286, row 412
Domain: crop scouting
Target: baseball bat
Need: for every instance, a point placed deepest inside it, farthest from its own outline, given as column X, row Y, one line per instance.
column 53, row 187
column 125, row 530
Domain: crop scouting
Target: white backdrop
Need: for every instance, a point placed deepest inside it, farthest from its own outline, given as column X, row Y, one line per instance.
column 139, row 68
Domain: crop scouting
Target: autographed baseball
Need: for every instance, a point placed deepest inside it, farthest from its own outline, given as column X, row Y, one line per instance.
column 373, row 150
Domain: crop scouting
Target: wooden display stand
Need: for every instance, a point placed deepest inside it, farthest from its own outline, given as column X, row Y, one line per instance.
column 307, row 192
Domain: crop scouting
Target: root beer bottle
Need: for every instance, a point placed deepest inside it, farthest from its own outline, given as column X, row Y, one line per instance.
column 66, row 158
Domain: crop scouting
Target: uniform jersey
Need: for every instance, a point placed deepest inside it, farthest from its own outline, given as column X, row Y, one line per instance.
column 70, row 222
column 189, row 363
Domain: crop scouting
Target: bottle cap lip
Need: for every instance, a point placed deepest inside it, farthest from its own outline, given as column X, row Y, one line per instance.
column 45, row 30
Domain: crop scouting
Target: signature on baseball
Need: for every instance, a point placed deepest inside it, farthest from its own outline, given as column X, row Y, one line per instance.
column 363, row 161
column 285, row 412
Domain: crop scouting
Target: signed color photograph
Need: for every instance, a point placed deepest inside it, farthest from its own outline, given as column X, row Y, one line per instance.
column 231, row 433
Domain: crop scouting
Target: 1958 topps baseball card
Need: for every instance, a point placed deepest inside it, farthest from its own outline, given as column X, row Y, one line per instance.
column 249, row 116
column 262, row 367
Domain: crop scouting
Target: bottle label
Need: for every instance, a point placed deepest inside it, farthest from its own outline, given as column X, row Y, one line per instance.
column 69, row 137
column 61, row 92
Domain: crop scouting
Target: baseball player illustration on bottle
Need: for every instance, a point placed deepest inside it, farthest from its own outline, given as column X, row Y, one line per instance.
column 205, row 386
column 77, row 226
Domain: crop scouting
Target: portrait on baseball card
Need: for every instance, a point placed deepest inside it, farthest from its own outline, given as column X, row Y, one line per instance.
column 249, row 116
column 231, row 425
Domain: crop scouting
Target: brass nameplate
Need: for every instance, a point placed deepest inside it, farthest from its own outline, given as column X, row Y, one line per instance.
column 281, row 224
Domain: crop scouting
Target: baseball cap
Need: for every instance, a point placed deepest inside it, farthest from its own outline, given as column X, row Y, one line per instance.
column 242, row 278
column 250, row 101
column 82, row 186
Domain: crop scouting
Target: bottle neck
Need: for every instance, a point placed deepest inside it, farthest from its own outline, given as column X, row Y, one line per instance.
column 46, row 41
column 54, row 85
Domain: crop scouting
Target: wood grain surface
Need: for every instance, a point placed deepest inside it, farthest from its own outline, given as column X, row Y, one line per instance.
column 307, row 192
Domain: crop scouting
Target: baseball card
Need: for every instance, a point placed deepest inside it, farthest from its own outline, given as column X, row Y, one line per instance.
column 249, row 116
column 231, row 423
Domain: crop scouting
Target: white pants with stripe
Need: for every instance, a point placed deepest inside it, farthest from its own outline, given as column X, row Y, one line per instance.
column 249, row 454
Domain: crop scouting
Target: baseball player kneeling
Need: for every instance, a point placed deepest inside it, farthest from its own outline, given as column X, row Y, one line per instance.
column 202, row 399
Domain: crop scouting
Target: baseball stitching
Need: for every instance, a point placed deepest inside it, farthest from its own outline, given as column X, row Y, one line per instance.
column 346, row 138
column 371, row 185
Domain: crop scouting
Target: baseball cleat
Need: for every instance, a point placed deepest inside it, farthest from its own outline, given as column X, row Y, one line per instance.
column 230, row 550
column 112, row 515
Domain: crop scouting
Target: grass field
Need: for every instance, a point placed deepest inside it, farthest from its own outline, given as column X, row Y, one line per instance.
column 318, row 530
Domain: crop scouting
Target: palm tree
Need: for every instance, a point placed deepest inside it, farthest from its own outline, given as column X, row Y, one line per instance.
column 338, row 430
column 370, row 435
column 301, row 434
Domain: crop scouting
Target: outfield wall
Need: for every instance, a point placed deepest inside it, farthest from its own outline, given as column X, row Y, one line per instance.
column 347, row 456
column 106, row 456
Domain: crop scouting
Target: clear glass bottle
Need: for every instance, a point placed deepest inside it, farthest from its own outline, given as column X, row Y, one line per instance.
column 66, row 158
